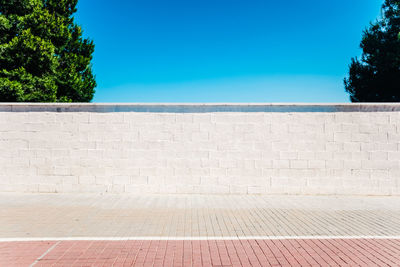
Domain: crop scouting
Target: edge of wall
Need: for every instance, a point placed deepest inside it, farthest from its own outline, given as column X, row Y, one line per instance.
column 198, row 107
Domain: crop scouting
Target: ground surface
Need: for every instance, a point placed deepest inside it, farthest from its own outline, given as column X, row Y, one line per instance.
column 198, row 230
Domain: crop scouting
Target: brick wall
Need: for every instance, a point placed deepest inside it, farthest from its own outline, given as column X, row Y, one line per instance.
column 227, row 149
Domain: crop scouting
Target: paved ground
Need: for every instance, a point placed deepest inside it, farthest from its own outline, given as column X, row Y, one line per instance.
column 198, row 230
column 296, row 252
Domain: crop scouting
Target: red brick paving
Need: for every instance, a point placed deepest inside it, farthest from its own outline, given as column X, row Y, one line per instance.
column 288, row 252
column 22, row 253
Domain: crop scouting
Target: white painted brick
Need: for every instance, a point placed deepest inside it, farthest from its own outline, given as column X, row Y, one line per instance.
column 116, row 188
column 121, row 180
column 280, row 164
column 135, row 189
column 379, row 137
column 80, row 117
column 155, row 172
column 315, row 146
column 47, row 188
column 170, row 118
column 380, row 174
column 283, row 145
column 244, row 172
column 342, row 137
column 349, row 128
column 14, row 144
column 394, row 137
column 379, row 164
column 342, row 174
column 332, row 127
column 301, row 145
column 298, row 164
column 256, row 190
column 360, row 155
column 394, row 155
column 103, row 180
column 385, row 146
column 257, row 118
column 308, row 155
column 228, row 163
column 296, row 128
column 319, row 183
column 341, row 155
column 263, row 164
column 279, row 128
column 59, row 170
column 352, row 164
column 368, row 128
column 201, row 118
column 237, row 189
column 170, row 189
column 364, row 174
column 195, row 152
column 140, row 118
column 360, row 137
column 334, row 147
column 207, row 127
column 87, row 180
column 366, row 183
column 381, row 117
column 64, row 118
column 288, row 155
column 270, row 155
column 361, row 118
column 316, row 164
column 378, row 155
column 244, row 128
column 334, row 164
column 368, row 147
column 263, row 146
column 209, row 163
column 93, row 188
column 291, row 173
column 223, row 180
column 343, row 117
column 351, row 147
column 215, row 189
column 394, row 118
column 139, row 180
column 218, row 172
column 202, row 136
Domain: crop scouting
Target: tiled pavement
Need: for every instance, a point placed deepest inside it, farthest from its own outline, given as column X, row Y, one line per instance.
column 198, row 230
column 303, row 252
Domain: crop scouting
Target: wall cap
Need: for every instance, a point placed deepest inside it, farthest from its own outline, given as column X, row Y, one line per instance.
column 199, row 107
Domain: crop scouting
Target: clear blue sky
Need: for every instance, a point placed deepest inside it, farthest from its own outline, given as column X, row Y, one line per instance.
column 224, row 50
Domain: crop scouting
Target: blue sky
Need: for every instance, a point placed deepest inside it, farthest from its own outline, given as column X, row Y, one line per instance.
column 224, row 50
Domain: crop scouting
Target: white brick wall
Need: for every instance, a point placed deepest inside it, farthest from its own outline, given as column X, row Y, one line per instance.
column 201, row 152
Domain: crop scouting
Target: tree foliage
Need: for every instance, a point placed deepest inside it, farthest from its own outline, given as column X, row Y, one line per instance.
column 375, row 77
column 43, row 56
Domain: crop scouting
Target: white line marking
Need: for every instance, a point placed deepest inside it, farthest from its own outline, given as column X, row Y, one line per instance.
column 17, row 239
column 44, row 254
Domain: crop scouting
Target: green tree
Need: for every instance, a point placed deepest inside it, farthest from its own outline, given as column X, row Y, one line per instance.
column 375, row 77
column 43, row 56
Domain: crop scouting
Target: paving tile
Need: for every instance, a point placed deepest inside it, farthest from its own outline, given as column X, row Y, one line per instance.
column 198, row 230
column 175, row 253
column 113, row 216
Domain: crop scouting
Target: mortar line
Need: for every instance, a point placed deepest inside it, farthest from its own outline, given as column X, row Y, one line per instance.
column 45, row 253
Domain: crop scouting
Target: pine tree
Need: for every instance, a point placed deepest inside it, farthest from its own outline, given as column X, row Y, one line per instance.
column 43, row 56
column 376, row 76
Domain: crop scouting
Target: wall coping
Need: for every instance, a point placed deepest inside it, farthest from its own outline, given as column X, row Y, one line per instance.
column 199, row 107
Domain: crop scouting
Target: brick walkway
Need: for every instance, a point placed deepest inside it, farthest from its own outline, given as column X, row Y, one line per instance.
column 171, row 230
column 296, row 252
